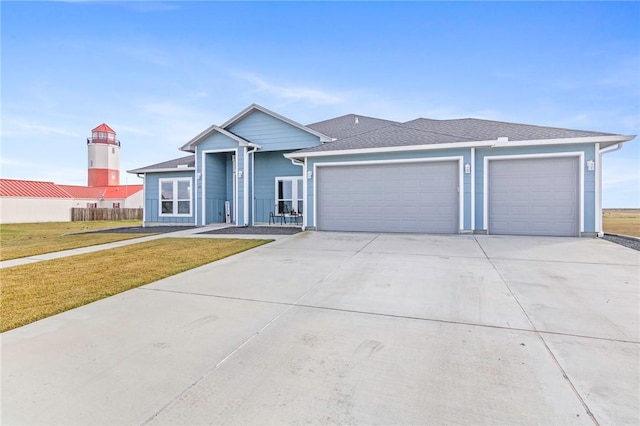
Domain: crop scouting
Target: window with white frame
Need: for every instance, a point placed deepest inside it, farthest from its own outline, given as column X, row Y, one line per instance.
column 289, row 195
column 175, row 197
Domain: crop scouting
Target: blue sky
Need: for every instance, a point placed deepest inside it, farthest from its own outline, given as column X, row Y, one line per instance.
column 160, row 72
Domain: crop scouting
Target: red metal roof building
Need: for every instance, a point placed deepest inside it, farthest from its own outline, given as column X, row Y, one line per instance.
column 31, row 189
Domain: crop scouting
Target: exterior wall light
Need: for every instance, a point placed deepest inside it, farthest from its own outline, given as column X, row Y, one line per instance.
column 309, row 174
column 591, row 165
column 467, row 168
column 240, row 174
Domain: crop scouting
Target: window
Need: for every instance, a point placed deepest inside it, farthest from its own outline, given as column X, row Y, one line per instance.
column 289, row 194
column 92, row 205
column 116, row 205
column 113, row 150
column 175, row 197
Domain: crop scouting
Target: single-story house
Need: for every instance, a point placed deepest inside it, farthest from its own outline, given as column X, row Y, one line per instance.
column 358, row 173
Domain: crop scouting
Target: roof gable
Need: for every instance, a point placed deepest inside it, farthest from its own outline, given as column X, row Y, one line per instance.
column 255, row 107
column 272, row 133
column 191, row 145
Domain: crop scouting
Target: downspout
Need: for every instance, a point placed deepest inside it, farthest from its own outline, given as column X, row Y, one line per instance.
column 598, row 159
column 253, row 198
column 144, row 198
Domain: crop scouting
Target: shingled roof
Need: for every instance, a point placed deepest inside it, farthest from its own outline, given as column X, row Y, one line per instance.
column 182, row 163
column 476, row 129
column 349, row 125
column 367, row 132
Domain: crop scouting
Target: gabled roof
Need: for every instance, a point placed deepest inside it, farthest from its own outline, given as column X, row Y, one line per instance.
column 182, row 163
column 349, row 125
column 425, row 133
column 103, row 128
column 255, row 107
column 190, row 146
column 31, row 189
column 102, row 192
column 477, row 129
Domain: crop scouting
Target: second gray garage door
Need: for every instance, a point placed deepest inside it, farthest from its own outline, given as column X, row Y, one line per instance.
column 399, row 197
column 537, row 196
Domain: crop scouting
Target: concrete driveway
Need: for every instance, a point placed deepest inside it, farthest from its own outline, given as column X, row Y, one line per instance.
column 349, row 328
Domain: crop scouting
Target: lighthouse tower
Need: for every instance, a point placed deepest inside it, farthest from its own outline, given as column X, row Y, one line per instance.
column 104, row 157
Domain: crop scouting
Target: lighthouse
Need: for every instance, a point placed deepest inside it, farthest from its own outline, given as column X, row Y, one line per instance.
column 104, row 157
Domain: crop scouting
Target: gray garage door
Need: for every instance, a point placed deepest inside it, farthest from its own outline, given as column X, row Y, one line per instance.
column 407, row 197
column 534, row 196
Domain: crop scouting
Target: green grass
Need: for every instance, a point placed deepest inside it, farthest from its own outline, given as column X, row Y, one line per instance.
column 35, row 291
column 30, row 239
column 621, row 221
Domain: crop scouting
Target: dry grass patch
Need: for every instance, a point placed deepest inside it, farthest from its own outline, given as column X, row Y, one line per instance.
column 621, row 221
column 30, row 239
column 32, row 292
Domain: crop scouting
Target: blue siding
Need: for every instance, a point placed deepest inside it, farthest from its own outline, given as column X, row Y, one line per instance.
column 215, row 184
column 152, row 199
column 589, row 177
column 272, row 134
column 269, row 165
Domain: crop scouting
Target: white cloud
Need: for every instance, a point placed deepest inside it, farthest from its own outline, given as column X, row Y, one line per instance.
column 291, row 92
column 25, row 127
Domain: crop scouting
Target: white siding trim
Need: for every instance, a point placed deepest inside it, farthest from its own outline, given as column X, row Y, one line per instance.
column 305, row 213
column 204, row 182
column 489, row 143
column 458, row 158
column 598, row 184
column 144, row 200
column 245, row 181
column 485, row 183
column 175, row 181
column 473, row 189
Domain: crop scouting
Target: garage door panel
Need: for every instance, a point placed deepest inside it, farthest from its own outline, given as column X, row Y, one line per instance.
column 537, row 196
column 402, row 197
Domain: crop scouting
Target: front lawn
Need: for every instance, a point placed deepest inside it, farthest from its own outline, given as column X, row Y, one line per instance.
column 30, row 239
column 35, row 291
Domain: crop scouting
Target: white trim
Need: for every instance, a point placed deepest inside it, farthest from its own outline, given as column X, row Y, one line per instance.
column 245, row 181
column 239, row 116
column 485, row 179
column 144, row 200
column 169, row 169
column 304, row 195
column 291, row 178
column 204, row 182
column 408, row 148
column 473, row 189
column 598, row 204
column 458, row 158
column 498, row 143
column 190, row 146
column 175, row 199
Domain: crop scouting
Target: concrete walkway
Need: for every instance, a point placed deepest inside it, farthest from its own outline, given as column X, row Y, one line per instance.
column 191, row 232
column 348, row 328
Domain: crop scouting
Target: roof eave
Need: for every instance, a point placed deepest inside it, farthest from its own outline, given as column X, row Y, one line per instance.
column 497, row 143
column 190, row 146
column 163, row 170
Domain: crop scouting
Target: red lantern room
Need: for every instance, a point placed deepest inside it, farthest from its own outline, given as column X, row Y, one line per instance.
column 104, row 157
